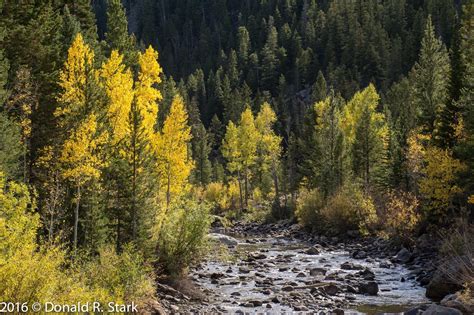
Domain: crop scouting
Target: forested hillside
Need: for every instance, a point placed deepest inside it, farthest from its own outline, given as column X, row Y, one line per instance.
column 128, row 128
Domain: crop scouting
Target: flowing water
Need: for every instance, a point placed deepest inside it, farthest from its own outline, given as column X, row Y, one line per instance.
column 277, row 280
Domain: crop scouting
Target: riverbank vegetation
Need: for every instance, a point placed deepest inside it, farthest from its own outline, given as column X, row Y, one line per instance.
column 127, row 127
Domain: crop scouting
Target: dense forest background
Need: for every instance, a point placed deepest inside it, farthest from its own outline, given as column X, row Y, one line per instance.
column 138, row 123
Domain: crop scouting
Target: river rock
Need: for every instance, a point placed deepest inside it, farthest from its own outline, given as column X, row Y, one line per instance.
column 224, row 239
column 312, row 251
column 359, row 254
column 317, row 272
column 440, row 286
column 367, row 274
column 244, row 270
column 403, row 256
column 370, row 288
column 441, row 310
column 256, row 303
column 331, row 289
column 350, row 266
column 455, row 301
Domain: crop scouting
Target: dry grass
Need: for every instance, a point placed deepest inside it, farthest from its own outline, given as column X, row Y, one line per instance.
column 458, row 252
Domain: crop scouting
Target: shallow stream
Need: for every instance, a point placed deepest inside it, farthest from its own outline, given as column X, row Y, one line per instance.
column 280, row 276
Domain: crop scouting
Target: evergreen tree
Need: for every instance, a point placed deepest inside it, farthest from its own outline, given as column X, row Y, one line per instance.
column 430, row 83
column 21, row 104
column 328, row 138
column 10, row 148
column 201, row 151
column 117, row 36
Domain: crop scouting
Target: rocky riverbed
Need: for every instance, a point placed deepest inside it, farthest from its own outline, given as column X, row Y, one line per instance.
column 280, row 269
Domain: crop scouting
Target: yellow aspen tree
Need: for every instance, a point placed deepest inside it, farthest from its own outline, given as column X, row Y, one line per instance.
column 242, row 139
column 81, row 162
column 78, row 100
column 268, row 145
column 74, row 80
column 137, row 149
column 366, row 133
column 231, row 152
column 146, row 93
column 118, row 84
column 174, row 161
column 439, row 182
column 248, row 137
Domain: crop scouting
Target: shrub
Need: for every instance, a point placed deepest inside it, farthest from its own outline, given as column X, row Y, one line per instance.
column 182, row 236
column 117, row 277
column 308, row 209
column 29, row 272
column 349, row 209
column 401, row 216
column 222, row 197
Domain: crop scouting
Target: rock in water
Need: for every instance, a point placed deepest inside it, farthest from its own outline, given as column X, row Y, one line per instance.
column 224, row 239
column 441, row 310
column 370, row 288
column 403, row 256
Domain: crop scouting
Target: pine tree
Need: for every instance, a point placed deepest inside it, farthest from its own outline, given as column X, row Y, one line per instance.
column 117, row 36
column 244, row 45
column 270, row 61
column 4, row 67
column 20, row 106
column 328, row 138
column 320, row 89
column 430, row 82
column 10, row 148
column 174, row 162
column 201, row 151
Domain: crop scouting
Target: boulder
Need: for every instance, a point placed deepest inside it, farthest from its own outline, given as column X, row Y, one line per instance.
column 359, row 254
column 367, row 274
column 441, row 310
column 331, row 289
column 466, row 306
column 317, row 272
column 440, row 286
column 312, row 251
column 403, row 256
column 224, row 239
column 350, row 266
column 370, row 288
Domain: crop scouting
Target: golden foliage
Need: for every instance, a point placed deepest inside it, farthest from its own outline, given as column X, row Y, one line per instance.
column 438, row 185
column 401, row 216
column 118, row 85
column 349, row 209
column 146, row 93
column 74, row 76
column 79, row 154
column 174, row 162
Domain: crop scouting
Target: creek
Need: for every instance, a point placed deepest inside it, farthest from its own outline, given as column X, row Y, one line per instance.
column 276, row 275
